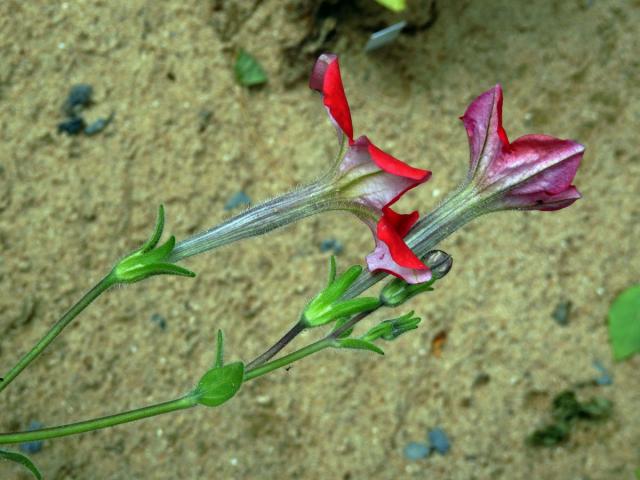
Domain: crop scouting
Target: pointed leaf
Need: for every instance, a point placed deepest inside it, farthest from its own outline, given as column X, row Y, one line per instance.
column 170, row 269
column 157, row 233
column 340, row 285
column 161, row 252
column 346, row 309
column 624, row 323
column 339, row 323
column 219, row 384
column 21, row 459
column 220, row 350
column 358, row 344
column 332, row 270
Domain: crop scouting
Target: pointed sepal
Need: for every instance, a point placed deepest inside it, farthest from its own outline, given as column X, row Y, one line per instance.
column 358, row 344
column 149, row 259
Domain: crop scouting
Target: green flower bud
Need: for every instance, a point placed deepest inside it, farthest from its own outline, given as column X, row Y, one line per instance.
column 391, row 329
column 149, row 260
column 327, row 306
column 397, row 291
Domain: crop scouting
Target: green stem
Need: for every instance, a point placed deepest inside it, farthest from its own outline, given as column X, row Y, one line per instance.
column 98, row 423
column 73, row 312
column 287, row 359
column 187, row 401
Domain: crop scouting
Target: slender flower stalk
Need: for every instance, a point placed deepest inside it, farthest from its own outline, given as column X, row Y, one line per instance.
column 364, row 180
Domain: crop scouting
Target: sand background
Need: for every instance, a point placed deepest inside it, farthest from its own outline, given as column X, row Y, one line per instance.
column 71, row 206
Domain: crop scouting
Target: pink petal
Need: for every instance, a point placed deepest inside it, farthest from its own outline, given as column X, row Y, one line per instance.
column 384, row 178
column 380, row 259
column 326, row 79
column 536, row 163
column 545, row 201
column 483, row 122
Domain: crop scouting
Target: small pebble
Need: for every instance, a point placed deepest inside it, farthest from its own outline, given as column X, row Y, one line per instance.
column 78, row 98
column 36, row 446
column 238, row 199
column 97, row 126
column 562, row 312
column 605, row 377
column 331, row 244
column 439, row 441
column 159, row 320
column 416, row 451
column 73, row 126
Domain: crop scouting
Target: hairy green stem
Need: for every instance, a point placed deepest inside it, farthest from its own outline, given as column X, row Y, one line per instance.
column 72, row 313
column 99, row 423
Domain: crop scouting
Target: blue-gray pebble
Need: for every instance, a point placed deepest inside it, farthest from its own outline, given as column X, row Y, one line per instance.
column 238, row 199
column 416, row 451
column 78, row 98
column 439, row 441
column 36, row 446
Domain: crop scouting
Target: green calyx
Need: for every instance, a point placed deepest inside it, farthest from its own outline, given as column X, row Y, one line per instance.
column 397, row 291
column 391, row 329
column 327, row 306
column 149, row 259
column 221, row 382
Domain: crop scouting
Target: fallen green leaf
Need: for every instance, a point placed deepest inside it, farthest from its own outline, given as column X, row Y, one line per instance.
column 624, row 323
column 248, row 71
column 23, row 460
column 395, row 5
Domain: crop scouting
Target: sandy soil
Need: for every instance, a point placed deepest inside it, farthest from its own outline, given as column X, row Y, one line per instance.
column 186, row 135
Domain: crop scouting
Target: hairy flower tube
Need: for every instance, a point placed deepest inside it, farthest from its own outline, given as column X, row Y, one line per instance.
column 365, row 181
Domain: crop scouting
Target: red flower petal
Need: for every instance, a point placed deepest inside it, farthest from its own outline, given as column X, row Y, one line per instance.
column 391, row 164
column 392, row 228
column 393, row 177
column 326, row 79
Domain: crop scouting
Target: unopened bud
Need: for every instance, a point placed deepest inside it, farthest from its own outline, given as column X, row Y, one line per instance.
column 439, row 262
column 397, row 291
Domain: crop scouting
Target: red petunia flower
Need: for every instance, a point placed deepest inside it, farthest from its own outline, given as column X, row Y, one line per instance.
column 534, row 172
column 373, row 179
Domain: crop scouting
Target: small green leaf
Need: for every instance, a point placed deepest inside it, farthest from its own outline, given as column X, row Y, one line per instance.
column 160, row 253
column 219, row 384
column 332, row 270
column 340, row 285
column 219, row 350
column 248, row 71
column 358, row 344
column 638, row 473
column 157, row 233
column 339, row 323
column 394, row 5
column 23, row 460
column 624, row 323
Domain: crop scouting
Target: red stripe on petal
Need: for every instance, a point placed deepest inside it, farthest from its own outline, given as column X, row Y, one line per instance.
column 391, row 229
column 325, row 78
column 390, row 164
